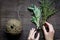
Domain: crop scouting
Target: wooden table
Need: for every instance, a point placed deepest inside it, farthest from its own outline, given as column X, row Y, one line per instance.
column 10, row 8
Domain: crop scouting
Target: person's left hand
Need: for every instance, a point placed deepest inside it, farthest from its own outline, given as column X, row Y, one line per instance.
column 32, row 34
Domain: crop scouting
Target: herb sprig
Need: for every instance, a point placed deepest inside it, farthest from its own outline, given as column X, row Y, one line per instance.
column 42, row 13
column 37, row 15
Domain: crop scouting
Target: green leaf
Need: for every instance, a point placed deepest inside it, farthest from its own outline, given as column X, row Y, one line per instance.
column 37, row 14
column 42, row 13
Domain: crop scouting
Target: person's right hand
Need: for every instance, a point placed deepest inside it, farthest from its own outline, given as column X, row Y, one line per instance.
column 50, row 34
column 32, row 34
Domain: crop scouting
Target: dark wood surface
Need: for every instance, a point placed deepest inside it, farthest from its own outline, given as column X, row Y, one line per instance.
column 10, row 8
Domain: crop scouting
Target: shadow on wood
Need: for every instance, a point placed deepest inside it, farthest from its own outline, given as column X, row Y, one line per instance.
column 12, row 37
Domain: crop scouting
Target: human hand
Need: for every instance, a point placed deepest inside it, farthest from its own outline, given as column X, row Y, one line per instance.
column 32, row 34
column 50, row 34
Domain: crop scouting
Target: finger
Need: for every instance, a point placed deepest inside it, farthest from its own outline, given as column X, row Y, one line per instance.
column 50, row 26
column 33, row 34
column 38, row 36
column 45, row 32
column 32, row 30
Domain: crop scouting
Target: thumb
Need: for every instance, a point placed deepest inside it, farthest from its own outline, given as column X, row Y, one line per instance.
column 45, row 32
